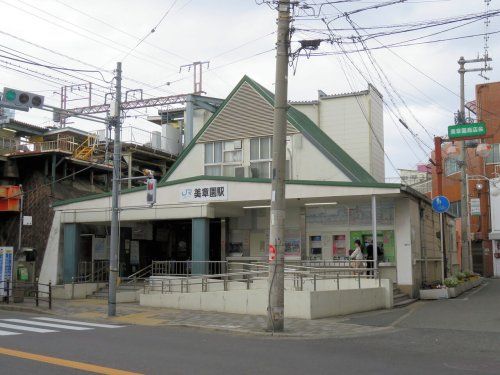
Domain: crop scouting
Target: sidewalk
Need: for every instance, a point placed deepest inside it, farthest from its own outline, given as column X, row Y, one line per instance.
column 134, row 314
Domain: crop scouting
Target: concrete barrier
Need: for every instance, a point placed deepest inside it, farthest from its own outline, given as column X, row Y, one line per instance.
column 75, row 291
column 306, row 304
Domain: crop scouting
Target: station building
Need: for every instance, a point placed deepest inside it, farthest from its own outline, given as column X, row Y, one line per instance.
column 213, row 204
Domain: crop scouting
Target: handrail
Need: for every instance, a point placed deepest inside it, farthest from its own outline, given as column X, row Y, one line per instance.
column 141, row 273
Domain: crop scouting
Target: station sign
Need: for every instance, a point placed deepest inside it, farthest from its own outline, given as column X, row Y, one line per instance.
column 477, row 129
column 203, row 193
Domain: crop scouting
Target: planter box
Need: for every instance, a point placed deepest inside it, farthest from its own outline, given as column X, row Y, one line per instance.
column 449, row 292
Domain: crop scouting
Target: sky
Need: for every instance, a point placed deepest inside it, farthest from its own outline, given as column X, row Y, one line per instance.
column 419, row 82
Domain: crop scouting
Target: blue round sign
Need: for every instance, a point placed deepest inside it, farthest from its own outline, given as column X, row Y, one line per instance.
column 440, row 204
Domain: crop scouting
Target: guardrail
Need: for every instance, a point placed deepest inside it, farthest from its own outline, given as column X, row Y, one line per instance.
column 298, row 275
column 18, row 290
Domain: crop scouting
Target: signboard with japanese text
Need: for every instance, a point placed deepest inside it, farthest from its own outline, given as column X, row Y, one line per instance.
column 203, row 193
column 6, row 265
column 475, row 207
column 467, row 130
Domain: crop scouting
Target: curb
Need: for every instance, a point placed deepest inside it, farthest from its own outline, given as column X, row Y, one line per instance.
column 9, row 307
column 283, row 335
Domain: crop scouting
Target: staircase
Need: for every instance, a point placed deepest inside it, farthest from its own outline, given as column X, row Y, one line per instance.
column 124, row 292
column 400, row 299
column 86, row 149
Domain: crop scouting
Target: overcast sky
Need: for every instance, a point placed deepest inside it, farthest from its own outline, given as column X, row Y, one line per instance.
column 237, row 37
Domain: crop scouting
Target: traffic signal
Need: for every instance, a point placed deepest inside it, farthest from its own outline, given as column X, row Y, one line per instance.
column 21, row 99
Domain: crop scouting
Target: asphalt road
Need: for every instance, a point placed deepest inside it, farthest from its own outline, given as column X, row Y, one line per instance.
column 458, row 336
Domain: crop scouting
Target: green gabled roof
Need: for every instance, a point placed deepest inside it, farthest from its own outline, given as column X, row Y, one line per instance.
column 302, row 123
column 376, row 185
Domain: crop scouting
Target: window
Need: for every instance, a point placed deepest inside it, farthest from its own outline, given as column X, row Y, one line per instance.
column 455, row 209
column 260, row 157
column 494, row 157
column 221, row 158
column 450, row 166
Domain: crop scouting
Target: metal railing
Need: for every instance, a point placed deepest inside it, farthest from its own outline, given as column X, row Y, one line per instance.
column 17, row 291
column 8, row 144
column 297, row 276
column 67, row 144
column 92, row 272
column 188, row 267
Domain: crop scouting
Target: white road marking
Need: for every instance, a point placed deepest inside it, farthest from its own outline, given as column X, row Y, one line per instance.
column 51, row 325
column 24, row 328
column 99, row 325
column 7, row 333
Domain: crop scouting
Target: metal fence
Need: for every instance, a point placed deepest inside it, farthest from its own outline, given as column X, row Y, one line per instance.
column 249, row 273
column 189, row 267
column 17, row 291
column 92, row 272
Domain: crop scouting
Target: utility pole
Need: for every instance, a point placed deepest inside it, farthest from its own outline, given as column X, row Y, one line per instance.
column 438, row 163
column 464, row 204
column 114, row 251
column 276, row 278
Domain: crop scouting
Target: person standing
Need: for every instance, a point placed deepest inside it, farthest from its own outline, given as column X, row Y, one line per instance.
column 356, row 256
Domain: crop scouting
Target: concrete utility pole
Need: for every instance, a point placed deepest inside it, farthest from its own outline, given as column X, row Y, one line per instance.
column 276, row 279
column 115, row 119
column 464, row 204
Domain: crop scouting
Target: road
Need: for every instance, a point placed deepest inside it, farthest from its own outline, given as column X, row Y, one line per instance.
column 460, row 336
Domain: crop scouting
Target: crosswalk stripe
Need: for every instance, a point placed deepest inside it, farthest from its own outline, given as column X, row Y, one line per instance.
column 61, row 326
column 7, row 333
column 24, row 328
column 99, row 325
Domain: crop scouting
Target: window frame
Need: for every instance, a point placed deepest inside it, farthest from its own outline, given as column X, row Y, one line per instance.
column 260, row 159
column 221, row 164
column 497, row 145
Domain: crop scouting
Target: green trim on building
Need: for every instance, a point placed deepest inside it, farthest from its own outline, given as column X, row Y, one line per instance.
column 302, row 123
column 377, row 185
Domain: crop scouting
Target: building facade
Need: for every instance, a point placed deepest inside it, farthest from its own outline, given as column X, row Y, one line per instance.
column 213, row 204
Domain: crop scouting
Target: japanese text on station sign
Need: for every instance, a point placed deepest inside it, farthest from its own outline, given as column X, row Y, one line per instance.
column 203, row 193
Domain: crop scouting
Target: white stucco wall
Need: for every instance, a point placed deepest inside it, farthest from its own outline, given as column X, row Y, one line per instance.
column 346, row 121
column 304, row 160
column 310, row 164
column 403, row 237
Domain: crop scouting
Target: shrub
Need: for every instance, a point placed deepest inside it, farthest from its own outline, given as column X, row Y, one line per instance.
column 461, row 276
column 451, row 282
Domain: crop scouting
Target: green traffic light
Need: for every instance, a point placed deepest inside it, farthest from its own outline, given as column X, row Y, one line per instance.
column 10, row 95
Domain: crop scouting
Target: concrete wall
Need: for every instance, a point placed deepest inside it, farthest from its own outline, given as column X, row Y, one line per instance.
column 52, row 262
column 305, row 304
column 75, row 291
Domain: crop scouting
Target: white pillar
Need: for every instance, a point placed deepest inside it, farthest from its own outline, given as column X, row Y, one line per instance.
column 374, row 234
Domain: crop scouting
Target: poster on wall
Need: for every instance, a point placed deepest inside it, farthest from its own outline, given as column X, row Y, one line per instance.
column 142, row 231
column 100, row 248
column 258, row 244
column 134, row 252
column 292, row 244
column 6, row 265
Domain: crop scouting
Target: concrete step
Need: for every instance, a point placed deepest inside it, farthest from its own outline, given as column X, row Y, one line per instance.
column 403, row 303
column 399, row 296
